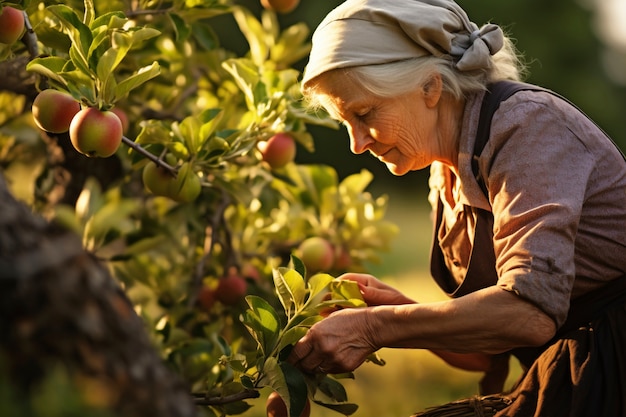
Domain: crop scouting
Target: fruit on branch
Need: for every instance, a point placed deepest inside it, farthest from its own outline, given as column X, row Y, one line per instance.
column 184, row 187
column 276, row 407
column 53, row 110
column 278, row 151
column 280, row 6
column 316, row 253
column 343, row 259
column 11, row 25
column 251, row 272
column 206, row 298
column 231, row 289
column 123, row 118
column 94, row 132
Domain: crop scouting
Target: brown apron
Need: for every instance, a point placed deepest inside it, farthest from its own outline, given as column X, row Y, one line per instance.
column 481, row 270
column 580, row 372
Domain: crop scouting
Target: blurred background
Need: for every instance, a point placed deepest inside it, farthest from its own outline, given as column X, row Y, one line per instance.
column 574, row 47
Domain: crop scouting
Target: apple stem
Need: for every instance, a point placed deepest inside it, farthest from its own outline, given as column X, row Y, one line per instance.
column 158, row 161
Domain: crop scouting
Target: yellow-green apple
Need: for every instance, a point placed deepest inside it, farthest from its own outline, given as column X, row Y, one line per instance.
column 157, row 180
column 11, row 25
column 316, row 253
column 280, row 6
column 95, row 132
column 185, row 186
column 275, row 406
column 231, row 289
column 278, row 151
column 53, row 110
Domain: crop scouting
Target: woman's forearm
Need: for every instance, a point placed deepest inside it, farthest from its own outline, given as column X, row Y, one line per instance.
column 491, row 321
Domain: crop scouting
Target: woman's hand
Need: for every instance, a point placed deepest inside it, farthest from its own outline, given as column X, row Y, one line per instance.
column 375, row 292
column 339, row 343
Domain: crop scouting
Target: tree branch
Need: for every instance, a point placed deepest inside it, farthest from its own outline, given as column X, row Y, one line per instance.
column 200, row 399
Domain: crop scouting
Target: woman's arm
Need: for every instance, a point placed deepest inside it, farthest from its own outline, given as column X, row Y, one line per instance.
column 489, row 321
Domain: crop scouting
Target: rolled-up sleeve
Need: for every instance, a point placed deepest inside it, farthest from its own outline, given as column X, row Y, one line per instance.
column 537, row 175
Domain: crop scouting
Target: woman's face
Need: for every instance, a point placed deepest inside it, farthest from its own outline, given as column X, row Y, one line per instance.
column 399, row 131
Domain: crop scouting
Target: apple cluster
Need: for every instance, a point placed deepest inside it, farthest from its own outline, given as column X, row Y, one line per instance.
column 11, row 25
column 93, row 132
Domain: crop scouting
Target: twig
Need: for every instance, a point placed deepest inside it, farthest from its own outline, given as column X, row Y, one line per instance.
column 250, row 393
column 30, row 38
column 158, row 161
column 216, row 220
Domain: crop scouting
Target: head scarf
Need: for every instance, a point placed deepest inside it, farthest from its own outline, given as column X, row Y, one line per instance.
column 370, row 32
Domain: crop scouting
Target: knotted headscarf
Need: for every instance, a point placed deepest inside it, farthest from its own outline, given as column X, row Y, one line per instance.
column 370, row 32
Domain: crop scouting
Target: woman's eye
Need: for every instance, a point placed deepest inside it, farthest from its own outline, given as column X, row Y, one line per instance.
column 362, row 114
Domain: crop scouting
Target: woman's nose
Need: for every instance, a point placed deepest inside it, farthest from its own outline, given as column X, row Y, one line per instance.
column 360, row 141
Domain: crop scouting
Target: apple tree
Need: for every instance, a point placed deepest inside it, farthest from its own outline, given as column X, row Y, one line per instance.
column 173, row 160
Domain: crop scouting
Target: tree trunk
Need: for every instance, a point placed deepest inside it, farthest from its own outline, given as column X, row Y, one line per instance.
column 60, row 307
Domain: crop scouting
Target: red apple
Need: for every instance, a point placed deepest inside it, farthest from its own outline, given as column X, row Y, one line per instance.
column 280, row 6
column 317, row 254
column 343, row 260
column 231, row 289
column 94, row 132
column 123, row 118
column 207, row 297
column 11, row 25
column 276, row 407
column 53, row 110
column 278, row 151
column 251, row 272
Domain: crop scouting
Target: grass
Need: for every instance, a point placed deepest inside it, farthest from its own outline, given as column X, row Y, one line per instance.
column 412, row 379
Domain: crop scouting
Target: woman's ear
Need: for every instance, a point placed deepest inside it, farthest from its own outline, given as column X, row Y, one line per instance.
column 433, row 90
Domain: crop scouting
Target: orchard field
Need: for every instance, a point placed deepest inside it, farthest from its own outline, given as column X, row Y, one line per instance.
column 172, row 218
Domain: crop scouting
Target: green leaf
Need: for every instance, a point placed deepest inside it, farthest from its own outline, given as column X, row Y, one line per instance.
column 78, row 32
column 288, row 382
column 181, row 28
column 319, row 287
column 144, row 74
column 298, row 265
column 139, row 35
column 347, row 290
column 89, row 12
column 50, row 67
column 254, row 33
column 246, row 77
column 356, row 183
column 79, row 60
column 291, row 289
column 333, row 389
column 346, row 409
column 109, row 61
column 210, row 120
column 263, row 323
column 292, row 335
column 111, row 20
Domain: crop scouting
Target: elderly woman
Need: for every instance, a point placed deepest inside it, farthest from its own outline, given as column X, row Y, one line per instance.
column 530, row 233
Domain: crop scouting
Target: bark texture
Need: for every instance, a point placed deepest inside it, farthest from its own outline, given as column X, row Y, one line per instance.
column 60, row 306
